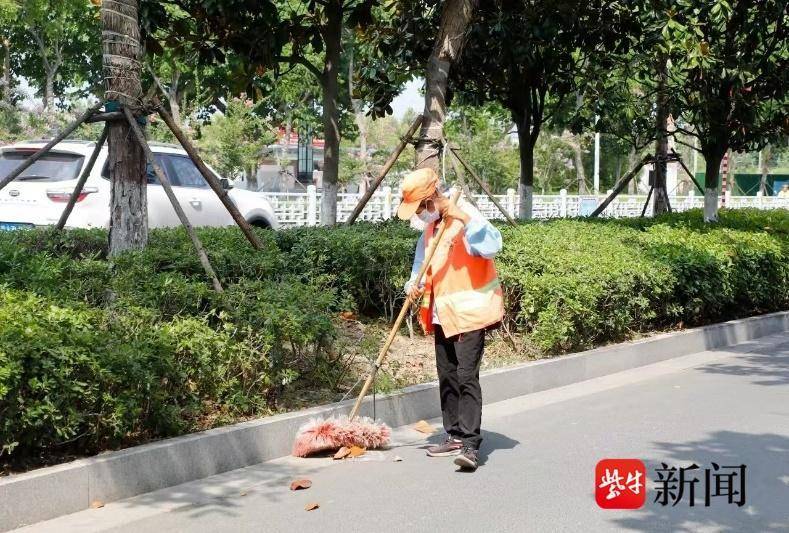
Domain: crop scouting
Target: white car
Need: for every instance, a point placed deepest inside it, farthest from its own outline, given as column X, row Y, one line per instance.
column 38, row 196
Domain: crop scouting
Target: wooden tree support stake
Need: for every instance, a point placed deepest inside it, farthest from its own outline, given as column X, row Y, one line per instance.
column 646, row 204
column 212, row 181
column 82, row 179
column 51, row 144
column 168, row 189
column 384, row 171
column 462, row 181
column 687, row 171
column 483, row 185
column 620, row 186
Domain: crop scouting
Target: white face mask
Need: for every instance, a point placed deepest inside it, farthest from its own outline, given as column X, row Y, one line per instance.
column 428, row 216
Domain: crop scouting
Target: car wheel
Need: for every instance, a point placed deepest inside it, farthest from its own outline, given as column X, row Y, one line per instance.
column 260, row 223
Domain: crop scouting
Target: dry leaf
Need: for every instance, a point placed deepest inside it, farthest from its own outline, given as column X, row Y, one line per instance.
column 311, row 506
column 299, row 484
column 342, row 453
column 356, row 451
column 96, row 504
column 243, row 493
column 397, row 459
column 347, row 315
column 424, row 427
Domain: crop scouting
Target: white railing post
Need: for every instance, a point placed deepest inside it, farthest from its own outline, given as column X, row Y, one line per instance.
column 312, row 205
column 387, row 214
column 563, row 203
column 727, row 198
column 511, row 202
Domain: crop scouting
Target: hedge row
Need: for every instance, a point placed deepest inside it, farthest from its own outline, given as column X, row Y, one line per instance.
column 97, row 353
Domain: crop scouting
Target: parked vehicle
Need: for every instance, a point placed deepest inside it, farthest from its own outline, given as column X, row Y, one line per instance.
column 38, row 196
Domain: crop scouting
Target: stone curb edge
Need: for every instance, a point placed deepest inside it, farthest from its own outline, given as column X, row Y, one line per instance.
column 55, row 491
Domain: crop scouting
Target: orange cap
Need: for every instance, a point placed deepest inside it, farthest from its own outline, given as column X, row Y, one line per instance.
column 417, row 186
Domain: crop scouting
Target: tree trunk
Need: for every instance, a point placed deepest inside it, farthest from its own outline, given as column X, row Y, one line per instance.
column 526, row 152
column 580, row 174
column 660, row 193
column 284, row 153
column 126, row 160
column 49, row 91
column 632, row 186
column 712, row 172
column 764, row 168
column 361, row 123
column 576, row 142
column 455, row 18
column 174, row 98
column 331, row 113
column 7, row 93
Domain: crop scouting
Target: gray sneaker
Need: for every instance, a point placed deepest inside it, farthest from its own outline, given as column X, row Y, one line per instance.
column 468, row 459
column 451, row 446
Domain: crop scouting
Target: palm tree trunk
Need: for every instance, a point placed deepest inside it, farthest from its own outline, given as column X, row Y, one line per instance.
column 455, row 18
column 126, row 161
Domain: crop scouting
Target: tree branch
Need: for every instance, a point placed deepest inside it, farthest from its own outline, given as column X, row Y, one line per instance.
column 302, row 61
column 683, row 143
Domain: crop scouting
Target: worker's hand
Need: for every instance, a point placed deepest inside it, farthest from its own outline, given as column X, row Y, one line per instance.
column 415, row 293
column 450, row 210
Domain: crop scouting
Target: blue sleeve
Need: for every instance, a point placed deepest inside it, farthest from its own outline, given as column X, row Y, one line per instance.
column 419, row 257
column 482, row 238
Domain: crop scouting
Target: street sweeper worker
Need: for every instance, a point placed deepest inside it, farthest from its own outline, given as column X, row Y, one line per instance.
column 460, row 299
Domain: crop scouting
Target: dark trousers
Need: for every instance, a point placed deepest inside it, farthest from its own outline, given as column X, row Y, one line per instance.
column 458, row 360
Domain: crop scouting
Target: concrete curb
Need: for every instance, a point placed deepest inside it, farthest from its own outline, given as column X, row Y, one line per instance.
column 54, row 491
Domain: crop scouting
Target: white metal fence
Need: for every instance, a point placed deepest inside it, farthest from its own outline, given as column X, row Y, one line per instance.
column 303, row 209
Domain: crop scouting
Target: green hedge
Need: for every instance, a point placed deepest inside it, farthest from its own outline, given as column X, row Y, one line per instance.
column 97, row 353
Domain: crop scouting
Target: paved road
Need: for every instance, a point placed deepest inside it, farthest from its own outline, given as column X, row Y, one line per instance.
column 728, row 406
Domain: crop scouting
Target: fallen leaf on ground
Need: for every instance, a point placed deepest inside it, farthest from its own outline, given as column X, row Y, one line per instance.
column 96, row 504
column 243, row 493
column 356, row 451
column 311, row 506
column 397, row 459
column 342, row 453
column 424, row 427
column 347, row 315
column 299, row 484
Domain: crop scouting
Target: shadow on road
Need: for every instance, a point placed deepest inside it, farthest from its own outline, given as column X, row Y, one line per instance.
column 766, row 457
column 225, row 492
column 491, row 441
column 767, row 364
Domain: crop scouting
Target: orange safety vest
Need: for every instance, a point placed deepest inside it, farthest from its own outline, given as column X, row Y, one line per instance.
column 464, row 288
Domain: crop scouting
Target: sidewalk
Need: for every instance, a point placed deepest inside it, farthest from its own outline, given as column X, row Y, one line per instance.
column 728, row 406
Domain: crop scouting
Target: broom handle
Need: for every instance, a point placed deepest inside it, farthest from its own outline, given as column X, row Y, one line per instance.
column 403, row 311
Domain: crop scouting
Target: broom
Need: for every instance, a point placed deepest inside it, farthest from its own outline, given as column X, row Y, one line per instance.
column 334, row 433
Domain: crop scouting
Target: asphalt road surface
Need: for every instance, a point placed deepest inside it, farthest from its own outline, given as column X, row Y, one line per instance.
column 729, row 407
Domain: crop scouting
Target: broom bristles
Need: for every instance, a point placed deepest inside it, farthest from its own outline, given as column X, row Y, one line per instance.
column 333, row 433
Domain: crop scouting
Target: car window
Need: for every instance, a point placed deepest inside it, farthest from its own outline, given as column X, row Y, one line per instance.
column 152, row 179
column 51, row 167
column 184, row 172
